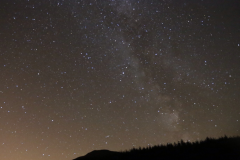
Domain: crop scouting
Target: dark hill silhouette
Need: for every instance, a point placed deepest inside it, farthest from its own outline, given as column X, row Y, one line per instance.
column 223, row 148
column 100, row 154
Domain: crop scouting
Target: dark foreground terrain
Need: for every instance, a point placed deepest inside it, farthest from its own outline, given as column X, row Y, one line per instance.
column 211, row 149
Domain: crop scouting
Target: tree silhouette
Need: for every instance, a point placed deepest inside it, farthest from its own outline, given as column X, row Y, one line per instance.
column 223, row 148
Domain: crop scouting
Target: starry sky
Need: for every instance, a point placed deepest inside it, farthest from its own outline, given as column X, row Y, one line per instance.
column 80, row 75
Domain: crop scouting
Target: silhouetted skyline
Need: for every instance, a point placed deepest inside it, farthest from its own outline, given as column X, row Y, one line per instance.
column 210, row 148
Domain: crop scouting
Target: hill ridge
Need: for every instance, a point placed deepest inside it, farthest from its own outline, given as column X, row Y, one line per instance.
column 210, row 148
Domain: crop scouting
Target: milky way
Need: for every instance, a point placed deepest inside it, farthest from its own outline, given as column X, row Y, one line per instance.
column 80, row 75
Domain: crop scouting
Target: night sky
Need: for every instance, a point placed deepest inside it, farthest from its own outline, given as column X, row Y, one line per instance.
column 80, row 75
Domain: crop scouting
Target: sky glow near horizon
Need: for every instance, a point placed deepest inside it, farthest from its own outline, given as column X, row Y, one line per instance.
column 83, row 75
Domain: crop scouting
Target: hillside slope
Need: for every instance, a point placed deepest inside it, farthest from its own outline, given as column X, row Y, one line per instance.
column 211, row 149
